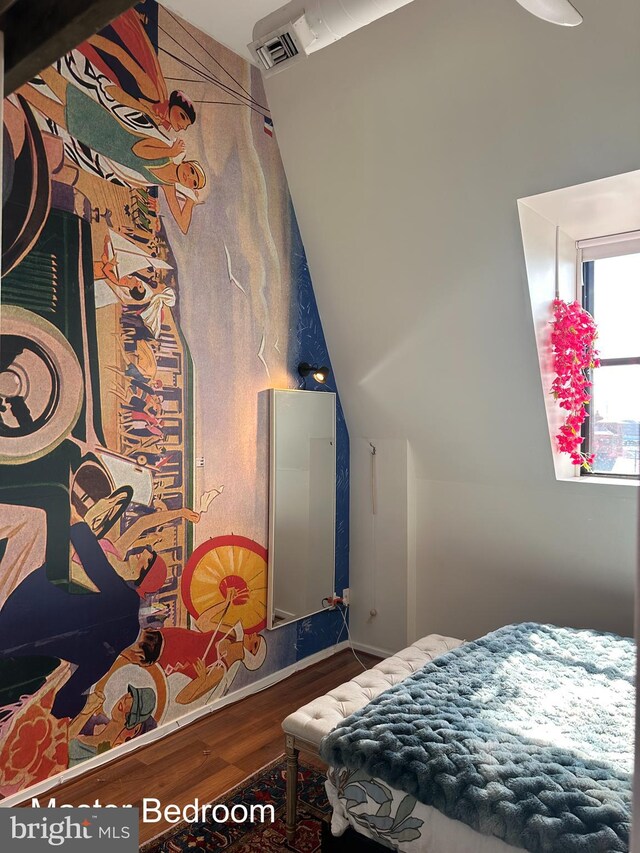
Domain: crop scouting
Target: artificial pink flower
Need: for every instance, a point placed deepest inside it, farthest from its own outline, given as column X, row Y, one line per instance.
column 573, row 338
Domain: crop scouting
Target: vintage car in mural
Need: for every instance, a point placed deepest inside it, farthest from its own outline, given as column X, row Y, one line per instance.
column 50, row 420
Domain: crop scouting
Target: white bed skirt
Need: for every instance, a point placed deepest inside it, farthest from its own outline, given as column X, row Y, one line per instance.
column 435, row 832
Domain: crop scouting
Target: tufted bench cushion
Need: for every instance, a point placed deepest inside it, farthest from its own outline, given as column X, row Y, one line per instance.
column 305, row 728
column 313, row 721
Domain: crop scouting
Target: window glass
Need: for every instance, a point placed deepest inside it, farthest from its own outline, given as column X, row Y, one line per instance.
column 616, row 305
column 615, row 420
column 612, row 431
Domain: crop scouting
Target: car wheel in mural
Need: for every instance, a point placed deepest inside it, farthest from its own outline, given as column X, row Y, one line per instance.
column 40, row 386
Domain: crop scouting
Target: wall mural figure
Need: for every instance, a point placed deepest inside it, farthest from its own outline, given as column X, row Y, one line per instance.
column 149, row 161
column 137, row 172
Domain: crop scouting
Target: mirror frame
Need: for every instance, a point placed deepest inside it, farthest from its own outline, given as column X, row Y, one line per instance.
column 272, row 502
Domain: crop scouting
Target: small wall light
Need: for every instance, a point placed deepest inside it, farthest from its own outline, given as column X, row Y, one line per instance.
column 320, row 374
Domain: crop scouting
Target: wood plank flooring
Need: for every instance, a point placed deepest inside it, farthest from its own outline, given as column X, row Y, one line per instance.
column 214, row 754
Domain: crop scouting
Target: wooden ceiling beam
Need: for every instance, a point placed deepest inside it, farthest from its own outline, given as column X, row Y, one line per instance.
column 4, row 5
column 36, row 35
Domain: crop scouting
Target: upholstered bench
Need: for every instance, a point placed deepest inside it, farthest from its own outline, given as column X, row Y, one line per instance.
column 305, row 728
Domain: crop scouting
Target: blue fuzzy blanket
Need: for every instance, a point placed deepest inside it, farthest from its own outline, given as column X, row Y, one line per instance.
column 525, row 734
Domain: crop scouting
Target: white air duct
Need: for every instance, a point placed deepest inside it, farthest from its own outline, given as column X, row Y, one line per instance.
column 300, row 28
column 294, row 31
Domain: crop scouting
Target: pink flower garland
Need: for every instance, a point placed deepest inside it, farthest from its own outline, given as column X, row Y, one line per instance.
column 573, row 345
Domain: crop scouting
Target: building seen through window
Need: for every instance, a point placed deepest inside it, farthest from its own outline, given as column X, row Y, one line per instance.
column 611, row 293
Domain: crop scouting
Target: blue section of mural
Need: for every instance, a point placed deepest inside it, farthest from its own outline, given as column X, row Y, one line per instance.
column 323, row 629
column 282, row 653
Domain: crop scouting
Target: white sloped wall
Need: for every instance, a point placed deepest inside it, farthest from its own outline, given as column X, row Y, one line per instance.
column 406, row 146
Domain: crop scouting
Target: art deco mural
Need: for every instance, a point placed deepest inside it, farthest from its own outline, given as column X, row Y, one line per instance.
column 154, row 285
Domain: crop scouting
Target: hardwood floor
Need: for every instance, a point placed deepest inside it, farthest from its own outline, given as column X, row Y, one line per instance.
column 214, row 754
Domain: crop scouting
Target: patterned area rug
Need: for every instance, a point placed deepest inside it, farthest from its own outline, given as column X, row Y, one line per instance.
column 265, row 787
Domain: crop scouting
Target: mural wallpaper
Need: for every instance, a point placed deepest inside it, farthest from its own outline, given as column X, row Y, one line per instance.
column 154, row 286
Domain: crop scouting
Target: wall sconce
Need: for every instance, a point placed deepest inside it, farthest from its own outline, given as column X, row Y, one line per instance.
column 320, row 374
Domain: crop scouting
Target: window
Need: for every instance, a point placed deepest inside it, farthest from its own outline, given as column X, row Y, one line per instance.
column 611, row 293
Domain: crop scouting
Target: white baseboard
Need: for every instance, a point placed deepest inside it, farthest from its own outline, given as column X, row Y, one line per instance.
column 372, row 650
column 168, row 728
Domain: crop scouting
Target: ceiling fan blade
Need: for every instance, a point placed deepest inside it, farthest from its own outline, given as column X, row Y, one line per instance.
column 560, row 12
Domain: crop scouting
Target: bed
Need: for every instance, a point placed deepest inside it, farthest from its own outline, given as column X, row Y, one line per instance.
column 520, row 740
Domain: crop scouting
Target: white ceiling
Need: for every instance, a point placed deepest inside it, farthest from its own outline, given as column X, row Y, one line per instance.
column 229, row 21
column 594, row 209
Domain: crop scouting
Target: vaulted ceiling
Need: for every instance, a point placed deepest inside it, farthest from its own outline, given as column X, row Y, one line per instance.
column 228, row 21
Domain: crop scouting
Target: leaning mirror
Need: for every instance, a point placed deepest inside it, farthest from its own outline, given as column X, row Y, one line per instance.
column 302, row 506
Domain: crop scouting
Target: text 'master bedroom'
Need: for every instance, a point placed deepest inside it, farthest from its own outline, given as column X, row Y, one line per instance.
column 319, row 426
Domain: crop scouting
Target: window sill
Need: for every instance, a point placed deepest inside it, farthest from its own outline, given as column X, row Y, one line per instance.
column 602, row 481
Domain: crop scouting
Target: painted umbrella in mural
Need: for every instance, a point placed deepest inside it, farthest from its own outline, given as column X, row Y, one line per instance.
column 225, row 582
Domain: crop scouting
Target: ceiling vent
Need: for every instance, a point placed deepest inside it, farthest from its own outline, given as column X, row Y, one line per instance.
column 300, row 28
column 285, row 44
column 279, row 48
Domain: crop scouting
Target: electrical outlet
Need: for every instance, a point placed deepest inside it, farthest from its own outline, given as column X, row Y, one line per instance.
column 345, row 596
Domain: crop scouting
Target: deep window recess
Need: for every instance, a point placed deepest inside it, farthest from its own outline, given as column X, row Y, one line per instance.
column 611, row 293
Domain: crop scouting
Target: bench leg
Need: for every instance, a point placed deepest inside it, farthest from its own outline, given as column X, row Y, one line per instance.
column 292, row 786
